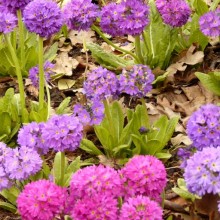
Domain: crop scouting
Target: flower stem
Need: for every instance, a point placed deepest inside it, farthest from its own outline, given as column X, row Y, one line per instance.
column 48, row 99
column 138, row 49
column 19, row 75
column 62, row 167
column 98, row 31
column 41, row 73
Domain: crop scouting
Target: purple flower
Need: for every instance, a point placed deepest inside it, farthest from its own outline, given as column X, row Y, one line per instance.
column 62, row 132
column 174, row 13
column 137, row 81
column 140, row 207
column 100, row 84
column 185, row 153
column 8, row 22
column 203, row 127
column 34, row 73
column 80, row 14
column 14, row 5
column 128, row 17
column 210, row 23
column 82, row 113
column 143, row 175
column 43, row 17
column 41, row 200
column 202, row 172
column 30, row 136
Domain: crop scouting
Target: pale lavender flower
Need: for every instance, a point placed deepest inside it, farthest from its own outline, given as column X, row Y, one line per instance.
column 8, row 22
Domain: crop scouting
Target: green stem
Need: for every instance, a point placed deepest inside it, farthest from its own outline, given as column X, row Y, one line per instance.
column 103, row 2
column 48, row 99
column 98, row 31
column 138, row 48
column 62, row 167
column 21, row 36
column 41, row 73
column 19, row 75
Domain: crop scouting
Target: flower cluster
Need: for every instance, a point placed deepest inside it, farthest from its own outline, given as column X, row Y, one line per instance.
column 137, row 81
column 210, row 23
column 8, row 22
column 100, row 84
column 34, row 73
column 41, row 200
column 185, row 153
column 14, row 5
column 203, row 126
column 174, row 13
column 127, row 17
column 90, row 115
column 43, row 17
column 202, row 172
column 140, row 207
column 143, row 175
column 80, row 15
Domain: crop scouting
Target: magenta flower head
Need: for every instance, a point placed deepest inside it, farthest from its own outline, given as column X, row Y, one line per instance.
column 8, row 22
column 143, row 175
column 174, row 13
column 140, row 207
column 14, row 5
column 41, row 200
column 34, row 73
column 202, row 172
column 43, row 17
column 62, row 133
column 137, row 81
column 203, row 127
column 80, row 14
column 210, row 23
column 100, row 84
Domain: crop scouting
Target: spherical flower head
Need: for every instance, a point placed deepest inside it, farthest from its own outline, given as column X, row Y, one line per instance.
column 174, row 13
column 30, row 135
column 143, row 175
column 140, row 207
column 95, row 180
column 98, row 207
column 202, row 172
column 14, row 5
column 137, row 81
column 41, row 200
column 62, row 133
column 43, row 17
column 210, row 23
column 22, row 162
column 8, row 22
column 203, row 126
column 80, row 14
column 100, row 84
column 34, row 73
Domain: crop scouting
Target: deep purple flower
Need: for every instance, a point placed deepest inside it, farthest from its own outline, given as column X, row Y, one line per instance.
column 210, row 23
column 143, row 175
column 80, row 14
column 62, row 132
column 137, row 81
column 203, row 126
column 34, row 73
column 185, row 153
column 174, row 13
column 8, row 22
column 202, row 172
column 14, row 5
column 140, row 207
column 30, row 135
column 41, row 200
column 43, row 17
column 100, row 84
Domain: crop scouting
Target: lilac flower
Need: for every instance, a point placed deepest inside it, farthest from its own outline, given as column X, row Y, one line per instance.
column 203, row 127
column 185, row 153
column 34, row 73
column 174, row 13
column 202, row 172
column 210, row 23
column 62, row 132
column 137, row 81
column 100, row 84
column 140, row 207
column 43, row 17
column 8, row 22
column 80, row 14
column 82, row 113
column 14, row 5
column 143, row 175
column 21, row 163
column 41, row 200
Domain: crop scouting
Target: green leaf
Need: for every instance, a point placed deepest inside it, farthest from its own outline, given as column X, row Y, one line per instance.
column 63, row 106
column 125, row 137
column 162, row 155
column 8, row 206
column 151, row 147
column 89, row 147
column 184, row 194
column 6, row 124
column 123, row 148
column 10, row 194
column 51, row 53
column 200, row 7
column 138, row 144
